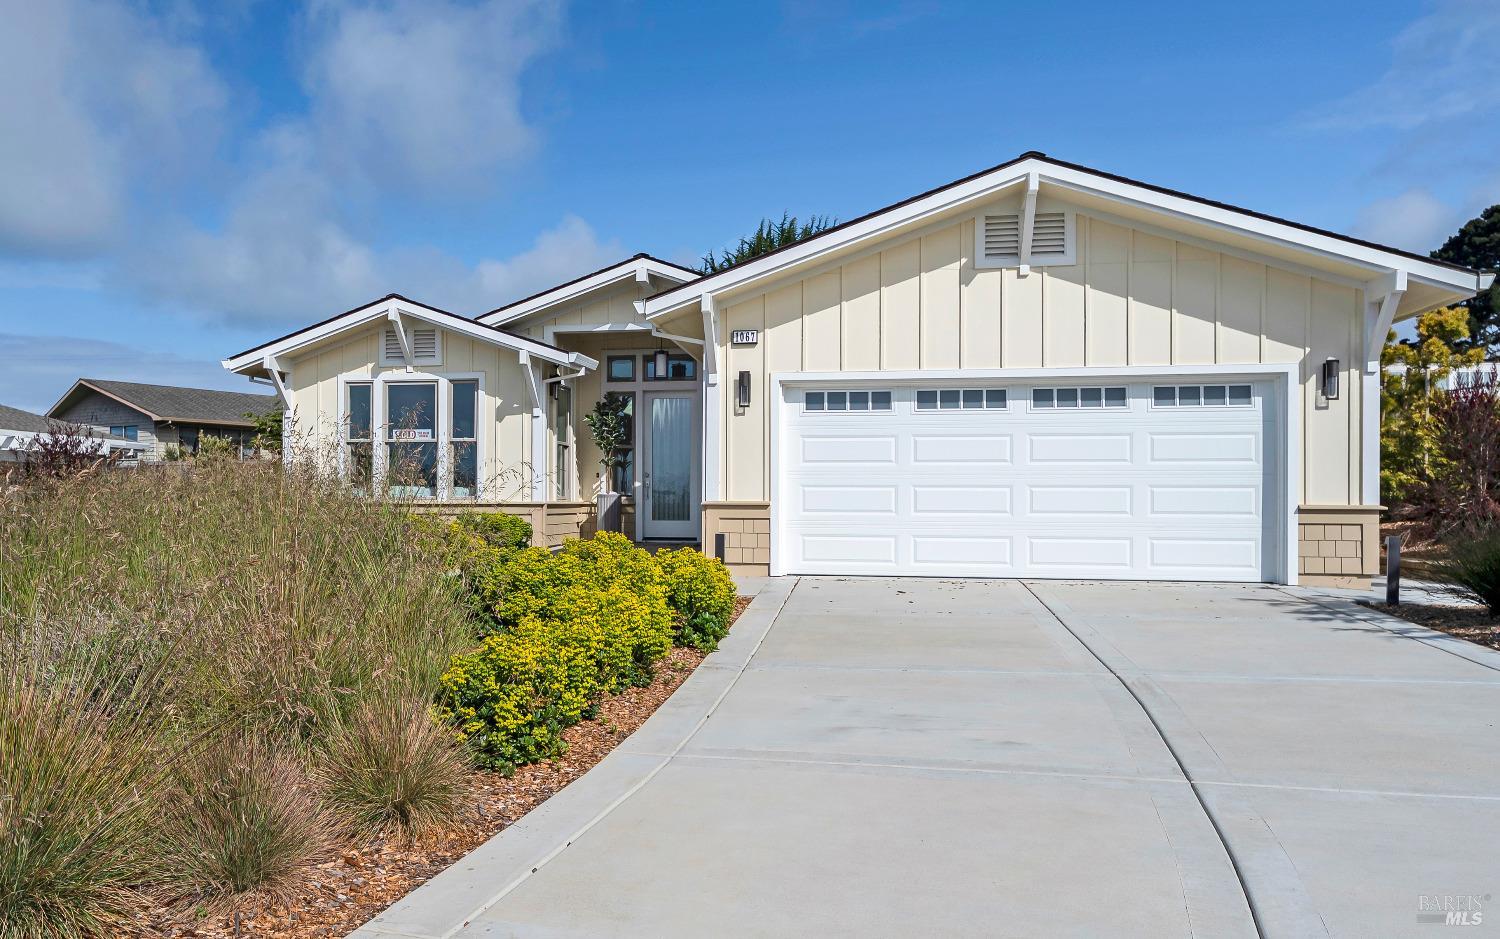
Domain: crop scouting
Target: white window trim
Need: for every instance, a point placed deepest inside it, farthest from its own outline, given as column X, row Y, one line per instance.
column 1285, row 397
column 443, row 424
column 435, row 360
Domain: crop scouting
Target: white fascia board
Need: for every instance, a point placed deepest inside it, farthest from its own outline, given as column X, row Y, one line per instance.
column 635, row 269
column 383, row 309
column 1065, row 178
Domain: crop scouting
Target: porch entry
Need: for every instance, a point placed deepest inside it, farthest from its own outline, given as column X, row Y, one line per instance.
column 669, row 479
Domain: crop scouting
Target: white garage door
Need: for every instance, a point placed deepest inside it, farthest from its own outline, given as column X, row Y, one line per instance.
column 1127, row 480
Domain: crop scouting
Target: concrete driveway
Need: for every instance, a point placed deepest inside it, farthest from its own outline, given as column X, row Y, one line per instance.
column 920, row 757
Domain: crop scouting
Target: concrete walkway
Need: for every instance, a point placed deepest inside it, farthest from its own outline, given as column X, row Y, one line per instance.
column 918, row 757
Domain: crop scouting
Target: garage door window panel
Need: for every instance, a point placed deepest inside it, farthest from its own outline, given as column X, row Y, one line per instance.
column 844, row 401
column 960, row 399
column 1072, row 399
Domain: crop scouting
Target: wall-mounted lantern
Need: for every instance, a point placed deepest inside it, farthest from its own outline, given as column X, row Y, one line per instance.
column 742, row 390
column 1331, row 379
column 660, row 361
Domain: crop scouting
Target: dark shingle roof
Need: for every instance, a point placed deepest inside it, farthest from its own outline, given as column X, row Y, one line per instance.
column 29, row 423
column 191, row 405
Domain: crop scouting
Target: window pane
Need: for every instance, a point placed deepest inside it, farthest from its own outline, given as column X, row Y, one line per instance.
column 411, row 411
column 994, row 398
column 813, row 401
column 629, row 398
column 1213, row 394
column 973, row 398
column 622, row 368
column 622, row 474
column 1114, row 397
column 1041, row 397
column 1091, row 397
column 880, row 400
column 359, row 412
column 1239, row 395
column 859, row 401
column 465, row 402
column 949, row 399
column 1067, row 397
column 1187, row 395
column 1164, row 396
column 837, row 401
column 466, row 470
column 359, row 466
column 681, row 368
column 411, row 470
column 926, row 400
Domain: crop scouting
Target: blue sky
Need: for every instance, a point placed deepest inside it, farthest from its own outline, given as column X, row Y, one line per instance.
column 179, row 181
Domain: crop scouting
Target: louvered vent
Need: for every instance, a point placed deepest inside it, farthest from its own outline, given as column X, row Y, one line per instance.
column 1002, row 236
column 392, row 346
column 424, row 346
column 424, row 343
column 1049, row 234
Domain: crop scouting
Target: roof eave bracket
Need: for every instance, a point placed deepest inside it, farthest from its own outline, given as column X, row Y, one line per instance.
column 1028, row 221
column 394, row 315
column 1384, row 295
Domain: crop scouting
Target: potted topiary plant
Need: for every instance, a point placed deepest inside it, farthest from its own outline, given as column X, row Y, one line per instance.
column 610, row 423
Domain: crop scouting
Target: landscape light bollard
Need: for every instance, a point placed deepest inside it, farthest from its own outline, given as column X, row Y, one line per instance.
column 1393, row 570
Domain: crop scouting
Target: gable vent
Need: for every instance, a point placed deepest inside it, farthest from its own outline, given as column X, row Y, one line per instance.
column 1002, row 236
column 425, row 348
column 1049, row 234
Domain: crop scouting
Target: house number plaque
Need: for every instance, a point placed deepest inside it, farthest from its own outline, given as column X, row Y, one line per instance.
column 744, row 337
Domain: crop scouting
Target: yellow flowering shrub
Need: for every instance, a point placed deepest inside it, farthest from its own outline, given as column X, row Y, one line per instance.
column 700, row 593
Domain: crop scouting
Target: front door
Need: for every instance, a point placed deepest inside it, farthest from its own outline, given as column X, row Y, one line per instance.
column 669, row 481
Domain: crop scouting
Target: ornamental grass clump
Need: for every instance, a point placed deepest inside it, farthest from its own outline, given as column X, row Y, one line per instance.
column 390, row 769
column 147, row 617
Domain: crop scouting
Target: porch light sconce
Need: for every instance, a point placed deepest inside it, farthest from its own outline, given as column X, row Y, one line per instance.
column 1331, row 379
column 742, row 390
column 660, row 360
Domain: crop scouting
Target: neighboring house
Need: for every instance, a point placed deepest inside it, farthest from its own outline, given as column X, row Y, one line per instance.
column 162, row 415
column 1465, row 376
column 20, row 430
column 1040, row 370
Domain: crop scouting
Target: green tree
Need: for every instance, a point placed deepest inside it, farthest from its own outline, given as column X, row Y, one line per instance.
column 1408, row 430
column 769, row 235
column 1477, row 245
column 267, row 429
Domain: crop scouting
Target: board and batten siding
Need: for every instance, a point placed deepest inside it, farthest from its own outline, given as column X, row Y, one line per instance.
column 504, row 406
column 1132, row 298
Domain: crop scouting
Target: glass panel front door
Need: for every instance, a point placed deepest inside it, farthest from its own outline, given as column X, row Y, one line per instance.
column 671, row 466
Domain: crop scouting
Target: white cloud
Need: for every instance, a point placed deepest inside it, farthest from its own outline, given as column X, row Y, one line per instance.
column 1443, row 67
column 424, row 94
column 96, row 93
column 1415, row 220
column 39, row 369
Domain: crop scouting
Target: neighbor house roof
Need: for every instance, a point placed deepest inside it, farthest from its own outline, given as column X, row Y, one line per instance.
column 641, row 267
column 174, row 404
column 253, row 361
column 1100, row 192
column 18, row 427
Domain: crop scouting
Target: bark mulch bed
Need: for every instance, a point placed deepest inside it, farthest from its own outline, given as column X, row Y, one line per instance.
column 1466, row 622
column 342, row 894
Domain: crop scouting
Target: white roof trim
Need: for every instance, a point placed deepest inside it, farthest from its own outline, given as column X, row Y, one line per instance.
column 635, row 268
column 26, row 439
column 1067, row 178
column 380, row 311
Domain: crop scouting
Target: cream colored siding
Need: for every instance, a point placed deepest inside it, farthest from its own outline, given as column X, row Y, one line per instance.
column 504, row 412
column 1132, row 298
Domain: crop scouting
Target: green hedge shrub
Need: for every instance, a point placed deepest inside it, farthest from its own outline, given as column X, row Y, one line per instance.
column 498, row 529
column 701, row 593
column 589, row 619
